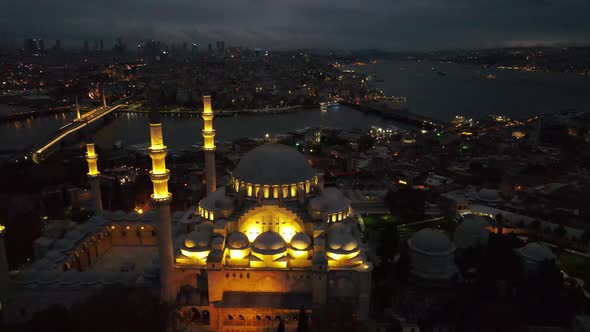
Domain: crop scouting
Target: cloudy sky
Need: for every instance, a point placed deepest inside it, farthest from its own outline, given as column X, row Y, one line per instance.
column 346, row 24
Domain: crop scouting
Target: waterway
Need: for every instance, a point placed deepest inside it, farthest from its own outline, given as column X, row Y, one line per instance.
column 464, row 90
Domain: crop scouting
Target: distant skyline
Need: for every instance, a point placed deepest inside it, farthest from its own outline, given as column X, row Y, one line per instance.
column 393, row 25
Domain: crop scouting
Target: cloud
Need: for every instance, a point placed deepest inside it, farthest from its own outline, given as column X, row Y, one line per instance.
column 386, row 24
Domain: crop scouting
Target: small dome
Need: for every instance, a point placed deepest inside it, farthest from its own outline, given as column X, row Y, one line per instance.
column 149, row 216
column 63, row 244
column 96, row 220
column 118, row 215
column 537, row 252
column 196, row 240
column 301, row 241
column 471, row 232
column 237, row 240
column 488, row 195
column 273, row 164
column 269, row 243
column 133, row 216
column 340, row 239
column 430, row 241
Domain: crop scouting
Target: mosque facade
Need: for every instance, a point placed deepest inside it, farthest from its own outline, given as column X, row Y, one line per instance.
column 262, row 247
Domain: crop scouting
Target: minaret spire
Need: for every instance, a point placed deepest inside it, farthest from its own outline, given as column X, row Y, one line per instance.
column 77, row 109
column 104, row 98
column 94, row 177
column 209, row 144
column 3, row 261
column 161, row 199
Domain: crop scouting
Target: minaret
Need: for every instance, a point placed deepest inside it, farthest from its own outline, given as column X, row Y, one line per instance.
column 94, row 177
column 161, row 198
column 77, row 109
column 3, row 260
column 104, row 98
column 209, row 144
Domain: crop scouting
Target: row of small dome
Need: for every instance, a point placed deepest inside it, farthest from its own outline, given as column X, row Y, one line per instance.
column 339, row 240
column 470, row 233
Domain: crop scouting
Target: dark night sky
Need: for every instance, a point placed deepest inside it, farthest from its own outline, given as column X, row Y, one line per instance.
column 385, row 24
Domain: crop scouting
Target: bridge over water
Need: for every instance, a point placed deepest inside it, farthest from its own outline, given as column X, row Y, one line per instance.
column 43, row 149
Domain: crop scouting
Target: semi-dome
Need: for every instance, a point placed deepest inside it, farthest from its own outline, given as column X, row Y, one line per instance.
column 330, row 201
column 269, row 243
column 471, row 232
column 301, row 241
column 206, row 227
column 536, row 252
column 430, row 241
column 273, row 164
column 237, row 240
column 217, row 201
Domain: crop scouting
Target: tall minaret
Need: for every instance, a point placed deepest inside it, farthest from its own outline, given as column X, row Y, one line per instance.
column 3, row 260
column 209, row 144
column 77, row 109
column 104, row 98
column 94, row 177
column 161, row 198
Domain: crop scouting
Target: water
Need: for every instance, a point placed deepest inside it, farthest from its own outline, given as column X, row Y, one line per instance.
column 466, row 91
column 463, row 91
column 182, row 132
column 18, row 135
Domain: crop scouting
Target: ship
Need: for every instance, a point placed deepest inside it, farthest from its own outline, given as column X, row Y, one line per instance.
column 327, row 104
column 490, row 76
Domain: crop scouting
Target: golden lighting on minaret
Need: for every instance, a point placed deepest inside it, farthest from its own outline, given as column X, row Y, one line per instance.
column 2, row 228
column 209, row 145
column 208, row 131
column 92, row 159
column 159, row 174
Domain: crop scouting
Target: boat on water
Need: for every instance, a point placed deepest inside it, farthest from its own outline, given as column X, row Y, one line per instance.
column 327, row 104
column 490, row 76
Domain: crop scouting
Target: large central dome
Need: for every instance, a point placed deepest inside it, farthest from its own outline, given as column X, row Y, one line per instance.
column 273, row 164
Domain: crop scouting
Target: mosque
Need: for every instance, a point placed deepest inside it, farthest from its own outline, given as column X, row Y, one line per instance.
column 259, row 249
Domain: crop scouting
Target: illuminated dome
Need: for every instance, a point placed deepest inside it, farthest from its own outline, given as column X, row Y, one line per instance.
column 237, row 240
column 273, row 164
column 197, row 239
column 269, row 243
column 431, row 242
column 340, row 239
column 301, row 241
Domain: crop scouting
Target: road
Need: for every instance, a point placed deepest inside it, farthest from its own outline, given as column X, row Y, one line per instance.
column 75, row 125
